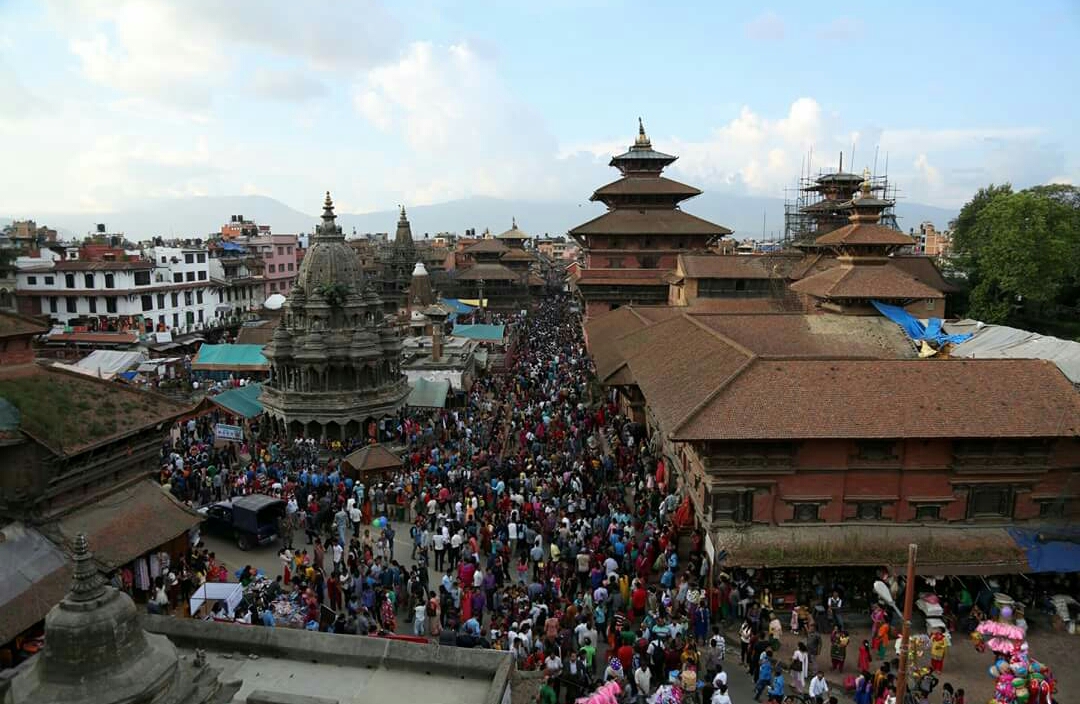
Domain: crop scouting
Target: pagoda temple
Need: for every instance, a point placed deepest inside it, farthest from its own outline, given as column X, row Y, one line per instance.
column 827, row 202
column 865, row 270
column 335, row 359
column 632, row 247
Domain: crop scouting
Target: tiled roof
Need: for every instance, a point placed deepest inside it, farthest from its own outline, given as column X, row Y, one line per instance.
column 678, row 364
column 730, row 266
column 883, row 281
column 126, row 523
column 111, row 338
column 373, row 457
column 634, row 185
column 36, row 576
column 864, row 233
column 626, row 277
column 786, row 399
column 519, row 255
column 814, row 335
column 489, row 246
column 257, row 334
column 812, row 264
column 649, row 221
column 768, row 304
column 491, row 271
column 924, row 269
column 14, row 325
column 69, row 412
column 603, row 333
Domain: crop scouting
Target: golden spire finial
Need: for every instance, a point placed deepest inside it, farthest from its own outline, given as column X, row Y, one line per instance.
column 328, row 203
column 866, row 184
column 642, row 138
column 513, row 222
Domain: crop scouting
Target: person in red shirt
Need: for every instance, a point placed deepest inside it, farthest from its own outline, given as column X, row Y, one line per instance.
column 639, row 600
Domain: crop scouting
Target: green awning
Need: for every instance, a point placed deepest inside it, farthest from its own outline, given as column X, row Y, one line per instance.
column 230, row 358
column 484, row 333
column 243, row 401
column 428, row 394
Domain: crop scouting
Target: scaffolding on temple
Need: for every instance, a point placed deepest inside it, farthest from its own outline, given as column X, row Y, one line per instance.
column 821, row 203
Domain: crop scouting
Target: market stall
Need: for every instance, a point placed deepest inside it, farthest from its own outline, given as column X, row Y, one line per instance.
column 204, row 598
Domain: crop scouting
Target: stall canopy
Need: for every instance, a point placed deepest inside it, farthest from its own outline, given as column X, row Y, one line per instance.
column 964, row 550
column 427, row 393
column 1050, row 549
column 231, row 593
column 125, row 524
column 481, row 332
column 373, row 458
column 230, row 358
column 36, row 575
column 243, row 401
column 106, row 364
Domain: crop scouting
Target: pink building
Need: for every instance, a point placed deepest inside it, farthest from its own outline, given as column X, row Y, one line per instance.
column 279, row 253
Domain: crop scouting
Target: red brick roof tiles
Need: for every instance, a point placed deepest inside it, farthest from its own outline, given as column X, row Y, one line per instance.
column 795, row 399
column 883, row 281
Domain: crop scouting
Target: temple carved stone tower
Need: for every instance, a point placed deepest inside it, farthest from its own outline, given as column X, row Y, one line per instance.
column 335, row 359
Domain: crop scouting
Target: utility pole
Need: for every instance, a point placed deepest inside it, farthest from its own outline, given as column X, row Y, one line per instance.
column 905, row 634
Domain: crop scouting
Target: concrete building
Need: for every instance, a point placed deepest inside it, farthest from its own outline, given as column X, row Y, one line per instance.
column 933, row 242
column 279, row 255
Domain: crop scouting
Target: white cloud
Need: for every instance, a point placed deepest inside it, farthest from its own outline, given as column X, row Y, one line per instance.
column 766, row 27
column 449, row 106
column 286, row 86
column 181, row 53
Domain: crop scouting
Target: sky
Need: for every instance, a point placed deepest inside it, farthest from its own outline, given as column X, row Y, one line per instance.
column 107, row 103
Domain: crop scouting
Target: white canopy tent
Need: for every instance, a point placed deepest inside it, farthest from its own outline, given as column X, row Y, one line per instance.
column 211, row 592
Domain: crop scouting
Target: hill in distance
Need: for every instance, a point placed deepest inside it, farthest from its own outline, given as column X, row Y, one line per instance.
column 199, row 216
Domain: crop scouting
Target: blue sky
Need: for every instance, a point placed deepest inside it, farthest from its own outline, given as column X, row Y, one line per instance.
column 115, row 101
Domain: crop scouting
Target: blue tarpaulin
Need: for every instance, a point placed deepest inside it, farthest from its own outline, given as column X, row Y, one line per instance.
column 931, row 332
column 232, row 247
column 457, row 306
column 1050, row 549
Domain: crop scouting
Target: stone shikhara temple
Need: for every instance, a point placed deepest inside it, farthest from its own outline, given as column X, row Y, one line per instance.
column 335, row 359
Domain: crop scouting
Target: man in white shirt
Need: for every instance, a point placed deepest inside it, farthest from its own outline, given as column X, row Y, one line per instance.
column 819, row 687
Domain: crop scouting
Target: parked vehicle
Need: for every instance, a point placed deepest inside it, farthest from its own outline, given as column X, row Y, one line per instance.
column 249, row 520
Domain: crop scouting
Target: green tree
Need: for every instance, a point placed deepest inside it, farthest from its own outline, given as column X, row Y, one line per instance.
column 1021, row 250
column 965, row 239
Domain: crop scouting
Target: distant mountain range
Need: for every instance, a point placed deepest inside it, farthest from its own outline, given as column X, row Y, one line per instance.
column 199, row 216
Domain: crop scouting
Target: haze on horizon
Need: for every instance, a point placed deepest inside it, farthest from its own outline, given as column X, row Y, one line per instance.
column 109, row 103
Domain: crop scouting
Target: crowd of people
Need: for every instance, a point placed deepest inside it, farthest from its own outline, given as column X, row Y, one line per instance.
column 540, row 522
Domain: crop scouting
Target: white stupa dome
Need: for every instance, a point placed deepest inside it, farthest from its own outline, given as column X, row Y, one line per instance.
column 419, row 269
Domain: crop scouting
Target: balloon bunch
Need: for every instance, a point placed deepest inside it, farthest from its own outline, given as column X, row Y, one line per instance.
column 1001, row 637
column 607, row 693
column 1021, row 680
column 380, row 522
